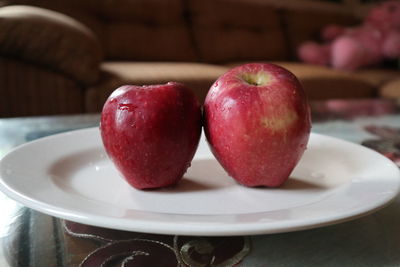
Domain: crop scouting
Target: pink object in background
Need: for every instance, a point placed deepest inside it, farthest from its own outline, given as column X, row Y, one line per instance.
column 374, row 41
column 331, row 32
column 391, row 46
column 358, row 48
column 315, row 53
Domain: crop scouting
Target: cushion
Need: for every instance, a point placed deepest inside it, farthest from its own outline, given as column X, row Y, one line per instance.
column 244, row 31
column 87, row 12
column 131, row 41
column 131, row 29
column 199, row 77
column 146, row 11
column 146, row 30
column 46, row 93
column 50, row 39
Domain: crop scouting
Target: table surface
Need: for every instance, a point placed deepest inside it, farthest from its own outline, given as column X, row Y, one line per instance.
column 31, row 238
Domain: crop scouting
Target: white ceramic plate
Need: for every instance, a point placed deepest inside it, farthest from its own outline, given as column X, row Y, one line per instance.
column 69, row 176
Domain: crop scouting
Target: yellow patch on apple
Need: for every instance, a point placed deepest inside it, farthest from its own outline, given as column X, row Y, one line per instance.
column 277, row 123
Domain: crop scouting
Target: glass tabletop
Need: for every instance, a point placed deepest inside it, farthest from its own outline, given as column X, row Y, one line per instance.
column 30, row 238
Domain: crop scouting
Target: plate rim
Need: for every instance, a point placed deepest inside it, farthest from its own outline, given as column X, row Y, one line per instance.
column 188, row 228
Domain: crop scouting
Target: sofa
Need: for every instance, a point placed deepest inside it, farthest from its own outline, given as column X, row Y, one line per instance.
column 67, row 56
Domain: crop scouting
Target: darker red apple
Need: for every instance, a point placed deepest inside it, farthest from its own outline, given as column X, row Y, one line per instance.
column 257, row 123
column 151, row 132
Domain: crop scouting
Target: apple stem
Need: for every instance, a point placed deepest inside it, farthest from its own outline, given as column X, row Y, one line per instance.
column 257, row 79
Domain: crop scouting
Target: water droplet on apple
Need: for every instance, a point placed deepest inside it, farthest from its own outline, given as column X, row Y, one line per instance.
column 127, row 107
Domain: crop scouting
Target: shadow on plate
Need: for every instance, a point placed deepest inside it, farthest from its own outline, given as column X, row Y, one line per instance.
column 294, row 183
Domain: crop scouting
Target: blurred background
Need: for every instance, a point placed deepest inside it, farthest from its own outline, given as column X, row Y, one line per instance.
column 67, row 56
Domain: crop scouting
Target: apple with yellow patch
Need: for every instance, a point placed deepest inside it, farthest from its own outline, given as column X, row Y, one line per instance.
column 257, row 122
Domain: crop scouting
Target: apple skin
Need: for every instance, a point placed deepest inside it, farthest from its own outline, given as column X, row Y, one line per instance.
column 151, row 133
column 257, row 123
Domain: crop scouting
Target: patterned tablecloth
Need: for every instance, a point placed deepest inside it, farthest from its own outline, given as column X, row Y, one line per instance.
column 30, row 238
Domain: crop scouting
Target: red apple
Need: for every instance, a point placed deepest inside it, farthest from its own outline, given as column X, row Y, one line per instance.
column 151, row 132
column 257, row 123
